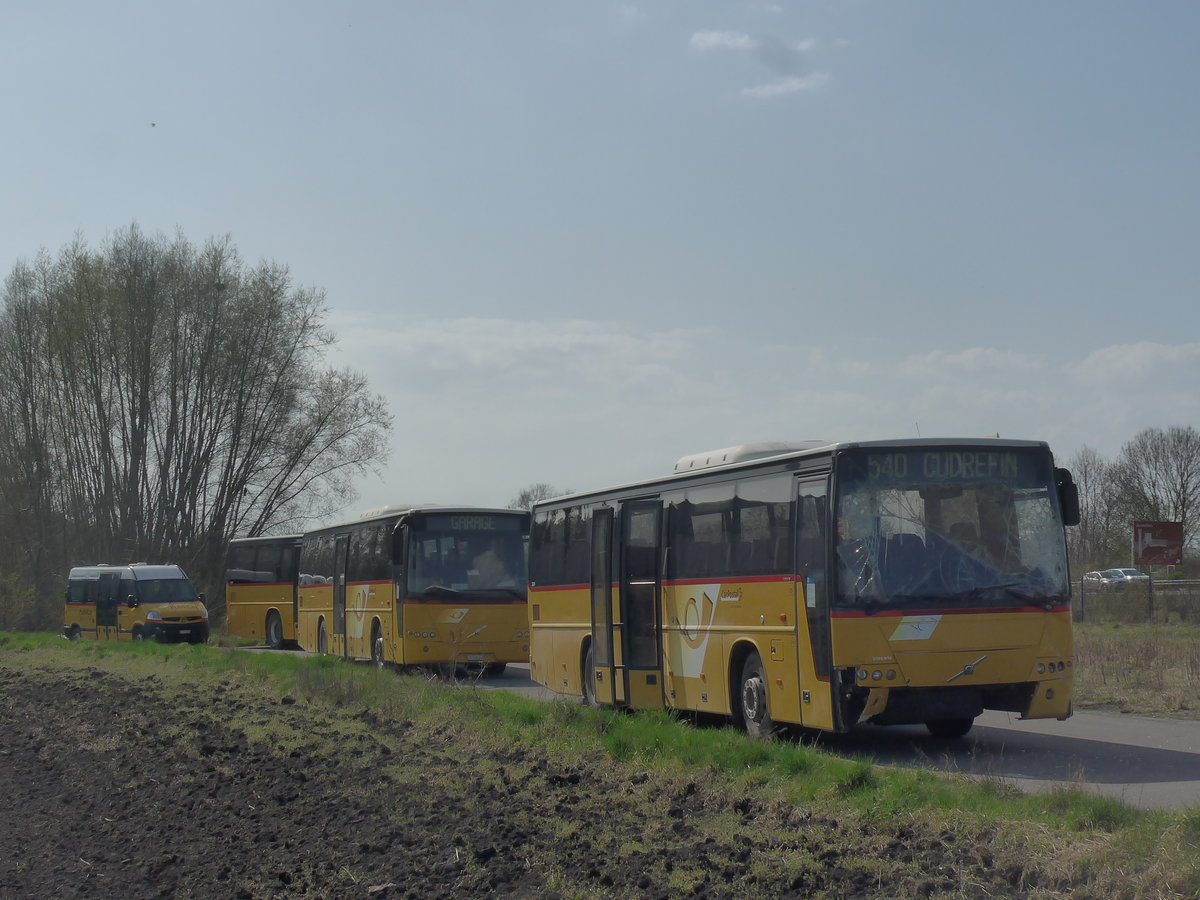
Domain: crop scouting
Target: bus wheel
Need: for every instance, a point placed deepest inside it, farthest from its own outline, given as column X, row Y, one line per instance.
column 274, row 631
column 589, row 679
column 138, row 634
column 494, row 670
column 73, row 633
column 950, row 728
column 752, row 697
column 322, row 638
column 376, row 646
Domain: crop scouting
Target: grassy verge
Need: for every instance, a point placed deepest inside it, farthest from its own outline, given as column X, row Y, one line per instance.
column 1146, row 670
column 1065, row 842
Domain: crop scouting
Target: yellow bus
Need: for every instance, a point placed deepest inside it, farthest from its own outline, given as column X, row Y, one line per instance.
column 819, row 585
column 437, row 586
column 261, row 588
column 133, row 603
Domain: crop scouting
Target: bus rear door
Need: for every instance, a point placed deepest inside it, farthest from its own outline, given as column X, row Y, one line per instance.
column 627, row 662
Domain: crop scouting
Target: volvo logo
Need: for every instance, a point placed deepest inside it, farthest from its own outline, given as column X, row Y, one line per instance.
column 968, row 669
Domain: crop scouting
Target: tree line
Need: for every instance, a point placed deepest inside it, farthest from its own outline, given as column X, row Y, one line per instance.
column 158, row 398
column 1154, row 477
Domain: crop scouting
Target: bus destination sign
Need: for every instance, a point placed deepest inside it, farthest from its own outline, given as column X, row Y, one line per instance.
column 943, row 465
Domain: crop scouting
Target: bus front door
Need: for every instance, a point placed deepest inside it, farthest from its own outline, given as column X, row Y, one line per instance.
column 814, row 653
column 640, row 586
column 341, row 553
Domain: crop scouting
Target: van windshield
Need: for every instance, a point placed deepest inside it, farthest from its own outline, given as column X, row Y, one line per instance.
column 165, row 590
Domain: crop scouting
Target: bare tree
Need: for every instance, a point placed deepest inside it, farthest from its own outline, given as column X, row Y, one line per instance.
column 1158, row 474
column 534, row 493
column 157, row 399
column 1102, row 536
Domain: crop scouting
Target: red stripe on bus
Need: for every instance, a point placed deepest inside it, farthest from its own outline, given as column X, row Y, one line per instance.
column 941, row 611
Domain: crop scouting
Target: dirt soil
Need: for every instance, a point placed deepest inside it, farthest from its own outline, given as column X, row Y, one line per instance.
column 114, row 788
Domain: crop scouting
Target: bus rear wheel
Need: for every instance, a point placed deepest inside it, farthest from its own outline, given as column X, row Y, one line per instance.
column 589, row 679
column 950, row 728
column 377, row 646
column 274, row 631
column 754, row 710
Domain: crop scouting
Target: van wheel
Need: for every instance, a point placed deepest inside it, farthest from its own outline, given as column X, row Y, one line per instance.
column 377, row 646
column 753, row 708
column 274, row 631
column 589, row 679
column 322, row 638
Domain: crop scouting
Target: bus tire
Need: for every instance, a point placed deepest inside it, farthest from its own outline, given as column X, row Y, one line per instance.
column 377, row 659
column 138, row 634
column 274, row 631
column 950, row 728
column 73, row 633
column 494, row 670
column 322, row 639
column 588, row 679
column 752, row 706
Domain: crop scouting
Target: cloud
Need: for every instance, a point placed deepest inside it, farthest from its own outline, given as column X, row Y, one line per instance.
column 585, row 403
column 971, row 360
column 787, row 86
column 789, row 61
column 727, row 40
column 1140, row 362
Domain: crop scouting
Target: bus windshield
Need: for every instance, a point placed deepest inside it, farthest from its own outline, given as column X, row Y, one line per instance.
column 948, row 527
column 467, row 553
column 165, row 590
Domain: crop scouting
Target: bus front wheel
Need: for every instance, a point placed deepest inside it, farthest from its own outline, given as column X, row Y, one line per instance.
column 322, row 639
column 950, row 728
column 274, row 631
column 755, row 712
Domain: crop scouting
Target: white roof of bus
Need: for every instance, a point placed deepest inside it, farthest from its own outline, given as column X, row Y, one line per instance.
column 766, row 452
column 136, row 571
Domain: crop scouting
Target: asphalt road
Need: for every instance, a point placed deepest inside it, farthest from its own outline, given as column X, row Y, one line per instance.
column 1150, row 763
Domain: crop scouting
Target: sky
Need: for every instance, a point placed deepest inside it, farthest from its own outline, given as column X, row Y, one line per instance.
column 571, row 242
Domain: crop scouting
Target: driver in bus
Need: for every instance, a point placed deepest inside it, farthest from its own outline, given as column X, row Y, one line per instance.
column 488, row 570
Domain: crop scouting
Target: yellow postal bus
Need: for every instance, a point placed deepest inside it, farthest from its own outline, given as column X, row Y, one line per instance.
column 418, row 586
column 134, row 602
column 822, row 585
column 261, row 588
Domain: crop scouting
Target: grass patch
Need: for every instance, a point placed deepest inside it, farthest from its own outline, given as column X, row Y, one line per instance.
column 1062, row 835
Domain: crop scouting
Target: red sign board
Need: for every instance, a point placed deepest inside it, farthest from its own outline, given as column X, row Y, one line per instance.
column 1157, row 543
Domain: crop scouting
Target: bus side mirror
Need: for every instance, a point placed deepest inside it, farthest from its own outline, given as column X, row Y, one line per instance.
column 131, row 601
column 201, row 596
column 1068, row 496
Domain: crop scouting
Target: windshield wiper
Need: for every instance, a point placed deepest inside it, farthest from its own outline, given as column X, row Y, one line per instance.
column 441, row 591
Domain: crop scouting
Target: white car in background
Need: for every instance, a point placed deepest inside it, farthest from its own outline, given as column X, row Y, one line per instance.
column 1113, row 580
column 1129, row 578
